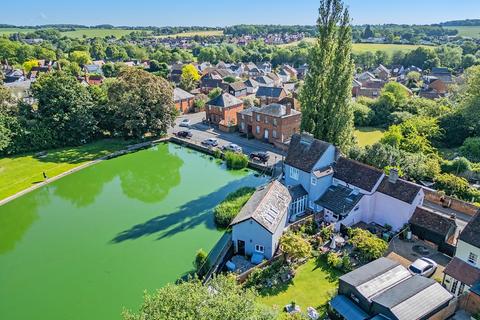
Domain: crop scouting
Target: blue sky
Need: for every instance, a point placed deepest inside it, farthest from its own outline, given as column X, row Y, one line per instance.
column 227, row 12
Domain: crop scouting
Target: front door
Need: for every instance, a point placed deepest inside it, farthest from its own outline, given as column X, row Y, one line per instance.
column 241, row 247
column 266, row 134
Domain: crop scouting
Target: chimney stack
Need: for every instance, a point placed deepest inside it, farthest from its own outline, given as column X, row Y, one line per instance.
column 288, row 109
column 393, row 176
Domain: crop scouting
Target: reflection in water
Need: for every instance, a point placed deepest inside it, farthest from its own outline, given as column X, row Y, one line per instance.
column 151, row 183
column 18, row 215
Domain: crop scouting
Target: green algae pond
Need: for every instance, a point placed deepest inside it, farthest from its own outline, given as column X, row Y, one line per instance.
column 88, row 245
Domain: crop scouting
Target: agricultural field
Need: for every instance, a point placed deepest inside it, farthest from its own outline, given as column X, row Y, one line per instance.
column 8, row 31
column 467, row 31
column 365, row 47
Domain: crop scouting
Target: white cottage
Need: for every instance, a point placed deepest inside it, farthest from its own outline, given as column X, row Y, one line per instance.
column 260, row 224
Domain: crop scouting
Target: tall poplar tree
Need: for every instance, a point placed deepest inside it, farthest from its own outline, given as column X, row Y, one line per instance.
column 326, row 95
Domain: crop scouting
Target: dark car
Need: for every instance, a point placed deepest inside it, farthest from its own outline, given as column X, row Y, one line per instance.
column 259, row 156
column 184, row 134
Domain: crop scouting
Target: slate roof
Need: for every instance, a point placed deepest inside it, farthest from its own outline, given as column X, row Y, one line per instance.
column 462, row 271
column 414, row 298
column 471, row 233
column 249, row 111
column 180, row 94
column 297, row 192
column 358, row 174
column 273, row 92
column 267, row 206
column 224, row 100
column 304, row 151
column 238, row 86
column 402, row 190
column 339, row 199
column 429, row 220
column 264, row 80
column 371, row 271
column 275, row 110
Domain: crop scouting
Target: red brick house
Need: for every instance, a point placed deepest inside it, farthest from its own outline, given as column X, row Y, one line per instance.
column 273, row 123
column 222, row 111
column 183, row 100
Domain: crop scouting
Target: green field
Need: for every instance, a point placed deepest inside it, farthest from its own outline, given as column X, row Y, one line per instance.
column 313, row 285
column 8, row 31
column 365, row 47
column 467, row 31
column 367, row 136
column 20, row 172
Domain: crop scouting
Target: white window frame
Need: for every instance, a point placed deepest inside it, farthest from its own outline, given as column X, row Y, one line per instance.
column 258, row 129
column 313, row 181
column 294, row 173
column 259, row 248
column 258, row 118
column 274, row 134
column 275, row 122
column 472, row 258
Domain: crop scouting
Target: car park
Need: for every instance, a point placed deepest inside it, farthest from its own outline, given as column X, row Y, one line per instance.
column 423, row 266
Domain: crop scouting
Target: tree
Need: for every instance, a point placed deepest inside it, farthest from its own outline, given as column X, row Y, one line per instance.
column 222, row 299
column 326, row 94
column 422, row 57
column 159, row 68
column 189, row 78
column 80, row 57
column 368, row 33
column 295, row 247
column 64, row 109
column 8, row 118
column 214, row 93
column 143, row 103
column 370, row 246
column 28, row 65
column 471, row 149
column 201, row 262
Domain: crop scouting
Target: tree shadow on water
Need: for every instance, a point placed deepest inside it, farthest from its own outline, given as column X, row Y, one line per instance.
column 189, row 216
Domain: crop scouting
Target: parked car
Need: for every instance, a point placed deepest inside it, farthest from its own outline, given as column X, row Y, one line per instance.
column 233, row 147
column 259, row 156
column 211, row 142
column 184, row 134
column 184, row 123
column 423, row 266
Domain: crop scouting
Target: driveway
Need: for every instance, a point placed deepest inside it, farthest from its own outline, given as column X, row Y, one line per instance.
column 201, row 131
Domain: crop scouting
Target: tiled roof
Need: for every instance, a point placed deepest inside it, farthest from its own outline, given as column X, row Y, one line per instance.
column 275, row 110
column 267, row 206
column 402, row 190
column 339, row 199
column 180, row 94
column 224, row 100
column 304, row 151
column 358, row 174
column 429, row 220
column 238, row 86
column 471, row 233
column 462, row 271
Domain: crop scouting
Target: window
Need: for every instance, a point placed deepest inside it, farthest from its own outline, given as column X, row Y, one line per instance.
column 472, row 258
column 259, row 248
column 258, row 117
column 454, row 287
column 313, row 181
column 311, row 205
column 274, row 134
column 294, row 173
column 274, row 121
column 243, row 117
column 209, row 107
column 242, row 125
column 266, row 120
column 258, row 129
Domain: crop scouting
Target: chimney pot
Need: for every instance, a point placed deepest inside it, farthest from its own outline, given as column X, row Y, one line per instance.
column 393, row 176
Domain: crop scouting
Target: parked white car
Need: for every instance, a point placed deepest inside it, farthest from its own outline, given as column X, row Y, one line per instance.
column 424, row 267
column 233, row 147
column 184, row 123
column 211, row 142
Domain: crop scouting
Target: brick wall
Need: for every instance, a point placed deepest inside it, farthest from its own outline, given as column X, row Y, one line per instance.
column 228, row 115
column 285, row 127
column 469, row 302
column 454, row 204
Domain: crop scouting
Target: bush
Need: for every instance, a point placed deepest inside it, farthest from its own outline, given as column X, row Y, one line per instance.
column 368, row 245
column 471, row 149
column 236, row 161
column 201, row 262
column 295, row 247
column 334, row 260
column 456, row 166
column 458, row 187
column 228, row 209
column 362, row 114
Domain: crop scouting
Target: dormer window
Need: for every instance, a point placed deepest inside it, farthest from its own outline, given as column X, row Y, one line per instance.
column 472, row 258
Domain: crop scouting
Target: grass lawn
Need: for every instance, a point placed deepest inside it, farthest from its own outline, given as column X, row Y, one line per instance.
column 23, row 171
column 313, row 286
column 467, row 31
column 367, row 136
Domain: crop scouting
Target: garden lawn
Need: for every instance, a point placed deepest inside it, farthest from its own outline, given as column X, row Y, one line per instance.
column 367, row 136
column 23, row 171
column 313, row 286
column 467, row 31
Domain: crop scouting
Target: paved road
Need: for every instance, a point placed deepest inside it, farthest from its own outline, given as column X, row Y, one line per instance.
column 202, row 131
